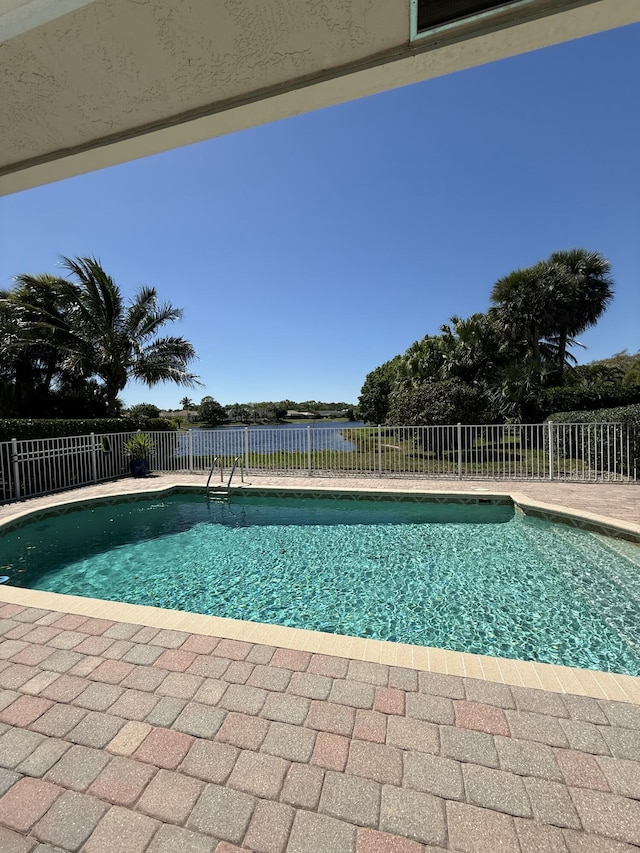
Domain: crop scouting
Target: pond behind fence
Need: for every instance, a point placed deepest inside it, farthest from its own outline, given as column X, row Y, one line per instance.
column 570, row 452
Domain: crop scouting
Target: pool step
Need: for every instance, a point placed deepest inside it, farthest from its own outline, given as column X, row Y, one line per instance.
column 219, row 494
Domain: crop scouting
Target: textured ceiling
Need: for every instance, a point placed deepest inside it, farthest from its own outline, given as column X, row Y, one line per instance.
column 97, row 71
column 112, row 80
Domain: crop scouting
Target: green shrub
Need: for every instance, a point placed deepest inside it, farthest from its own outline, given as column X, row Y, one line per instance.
column 594, row 397
column 608, row 448
column 619, row 415
column 444, row 402
column 27, row 428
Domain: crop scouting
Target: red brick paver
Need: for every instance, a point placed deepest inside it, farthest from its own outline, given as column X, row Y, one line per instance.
column 122, row 781
column 389, row 700
column 164, row 748
column 581, row 770
column 233, row 649
column 243, row 731
column 291, row 659
column 26, row 802
column 370, row 725
column 25, row 710
column 372, row 841
column 331, row 751
column 482, row 718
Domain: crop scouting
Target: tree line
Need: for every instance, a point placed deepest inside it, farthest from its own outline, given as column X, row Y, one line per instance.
column 515, row 361
column 212, row 413
column 68, row 346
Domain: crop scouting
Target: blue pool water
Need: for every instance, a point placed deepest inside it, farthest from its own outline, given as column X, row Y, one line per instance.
column 475, row 578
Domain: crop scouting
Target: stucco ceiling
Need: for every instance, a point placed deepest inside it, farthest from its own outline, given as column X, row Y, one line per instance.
column 111, row 80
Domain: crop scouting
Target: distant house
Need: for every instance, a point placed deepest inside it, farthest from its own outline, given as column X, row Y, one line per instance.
column 190, row 415
column 291, row 413
column 324, row 413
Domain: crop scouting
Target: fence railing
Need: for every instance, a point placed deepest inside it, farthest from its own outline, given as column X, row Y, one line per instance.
column 579, row 452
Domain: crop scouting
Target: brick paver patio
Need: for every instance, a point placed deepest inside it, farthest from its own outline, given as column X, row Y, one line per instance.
column 124, row 738
column 160, row 741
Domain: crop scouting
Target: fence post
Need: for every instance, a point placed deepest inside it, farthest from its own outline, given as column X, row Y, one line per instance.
column 16, row 468
column 309, row 450
column 190, row 449
column 550, row 427
column 246, row 448
column 94, row 461
column 379, row 452
column 459, row 450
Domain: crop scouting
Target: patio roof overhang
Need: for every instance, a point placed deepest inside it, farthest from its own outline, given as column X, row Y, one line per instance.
column 90, row 83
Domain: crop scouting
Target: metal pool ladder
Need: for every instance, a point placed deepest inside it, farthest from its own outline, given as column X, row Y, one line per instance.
column 218, row 461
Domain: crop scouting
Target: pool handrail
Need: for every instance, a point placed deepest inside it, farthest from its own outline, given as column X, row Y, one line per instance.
column 233, row 470
column 217, row 459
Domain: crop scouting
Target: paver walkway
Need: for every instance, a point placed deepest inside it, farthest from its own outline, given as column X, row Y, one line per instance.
column 119, row 738
column 122, row 738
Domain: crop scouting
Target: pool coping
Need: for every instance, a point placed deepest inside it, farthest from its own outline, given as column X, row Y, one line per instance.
column 582, row 519
column 549, row 677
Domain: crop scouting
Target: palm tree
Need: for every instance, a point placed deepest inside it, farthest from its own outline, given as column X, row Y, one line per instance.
column 100, row 336
column 473, row 350
column 546, row 305
column 423, row 360
column 521, row 309
column 581, row 289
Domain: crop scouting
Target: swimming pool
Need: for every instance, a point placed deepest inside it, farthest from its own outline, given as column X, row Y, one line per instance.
column 473, row 577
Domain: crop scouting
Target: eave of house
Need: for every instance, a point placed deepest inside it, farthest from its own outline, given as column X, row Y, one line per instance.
column 90, row 83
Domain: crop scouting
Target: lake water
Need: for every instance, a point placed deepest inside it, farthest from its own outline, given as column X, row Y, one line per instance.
column 273, row 438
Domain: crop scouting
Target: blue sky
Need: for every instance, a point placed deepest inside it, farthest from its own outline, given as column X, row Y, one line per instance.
column 307, row 252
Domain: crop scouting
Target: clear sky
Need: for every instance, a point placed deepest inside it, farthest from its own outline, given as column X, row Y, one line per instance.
column 307, row 252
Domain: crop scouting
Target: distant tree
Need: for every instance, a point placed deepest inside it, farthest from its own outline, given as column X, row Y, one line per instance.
column 262, row 413
column 281, row 407
column 632, row 376
column 211, row 412
column 621, row 368
column 238, row 413
column 187, row 403
column 600, row 373
column 373, row 402
column 143, row 410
